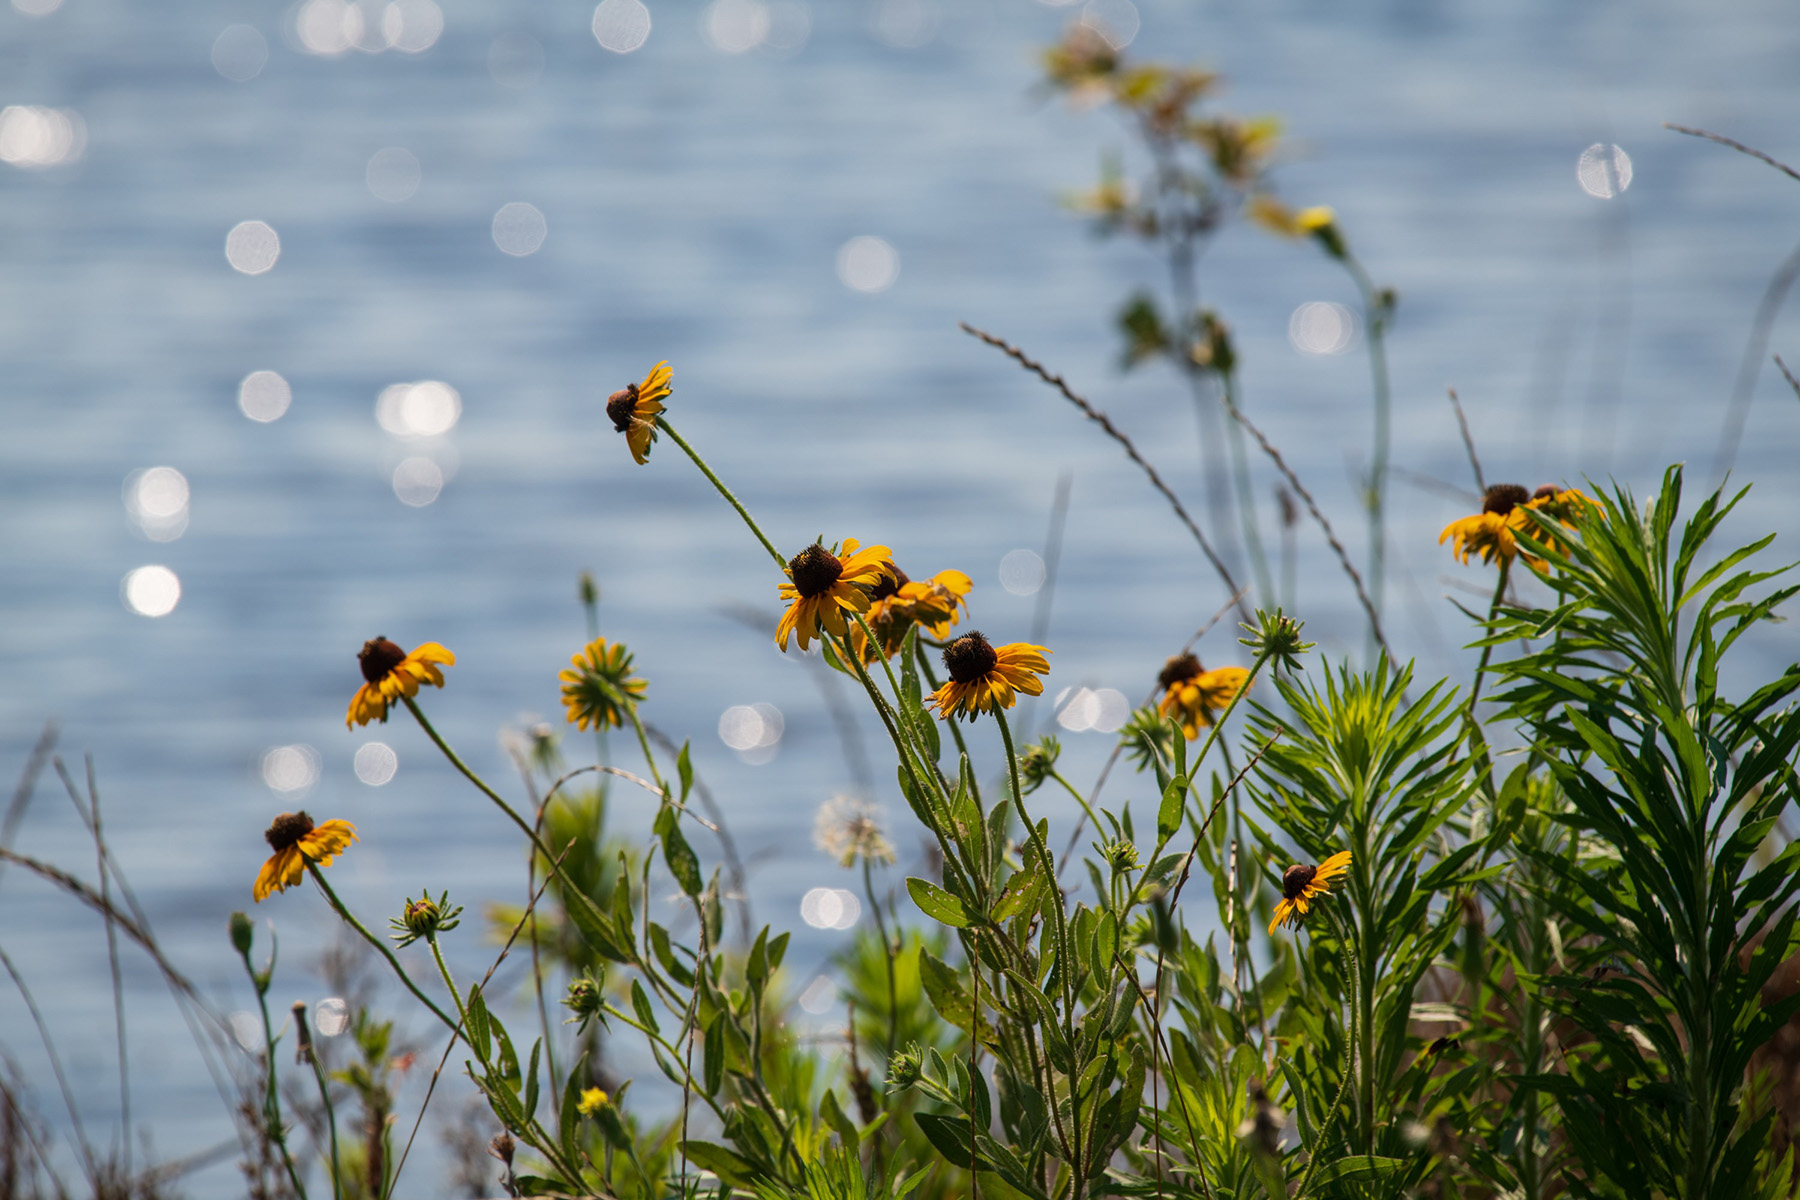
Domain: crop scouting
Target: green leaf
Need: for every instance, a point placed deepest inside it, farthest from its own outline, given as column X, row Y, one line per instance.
column 712, row 1057
column 756, row 971
column 1363, row 1168
column 683, row 864
column 948, row 1135
column 538, row 1185
column 640, row 1003
column 1168, row 814
column 531, row 1079
column 945, row 990
column 476, row 1025
column 727, row 1165
column 684, row 768
column 665, row 955
column 1020, row 893
column 596, row 929
column 838, row 1119
column 938, row 904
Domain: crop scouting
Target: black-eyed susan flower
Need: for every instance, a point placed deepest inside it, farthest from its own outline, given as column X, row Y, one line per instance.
column 296, row 842
column 824, row 584
column 898, row 603
column 1300, row 886
column 1195, row 696
column 390, row 673
column 598, row 688
column 984, row 677
column 635, row 407
column 1493, row 532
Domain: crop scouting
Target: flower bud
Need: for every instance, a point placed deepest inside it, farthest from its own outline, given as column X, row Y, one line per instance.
column 1037, row 762
column 242, row 933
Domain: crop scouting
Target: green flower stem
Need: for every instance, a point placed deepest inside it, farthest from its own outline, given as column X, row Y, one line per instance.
column 1065, row 968
column 894, row 686
column 480, row 784
column 661, row 1043
column 1375, row 316
column 1087, row 808
column 662, row 423
column 962, row 747
column 311, row 1055
column 1246, row 499
column 437, row 956
column 1487, row 651
column 1337, row 1103
column 649, row 759
column 272, row 1096
column 887, row 954
column 381, row 947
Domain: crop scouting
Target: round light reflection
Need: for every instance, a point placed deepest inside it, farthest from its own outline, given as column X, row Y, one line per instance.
column 34, row 137
column 375, row 763
column 392, row 174
column 291, row 768
column 830, row 908
column 415, row 410
column 151, row 591
column 1603, row 171
column 239, row 53
column 156, row 500
column 264, row 396
column 418, row 481
column 1103, row 710
column 1322, row 327
column 1022, row 572
column 621, row 25
column 519, row 229
column 1116, row 21
column 735, row 26
column 252, row 247
column 867, row 264
column 819, row 996
column 753, row 730
column 331, row 1017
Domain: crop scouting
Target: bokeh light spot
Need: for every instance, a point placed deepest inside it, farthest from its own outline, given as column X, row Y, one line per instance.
column 830, row 908
column 392, row 174
column 252, row 247
column 289, row 769
column 819, row 996
column 735, row 26
column 1322, row 327
column 519, row 229
column 375, row 763
column 239, row 53
column 621, row 25
column 1603, row 171
column 37, row 8
column 418, row 481
column 156, row 500
column 264, row 396
column 34, row 138
column 753, row 730
column 417, row 410
column 1022, row 572
column 412, row 26
column 867, row 264
column 151, row 591
column 331, row 1017
column 1116, row 21
column 1103, row 710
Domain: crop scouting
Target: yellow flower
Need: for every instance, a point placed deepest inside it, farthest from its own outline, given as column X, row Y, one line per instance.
column 1493, row 532
column 898, row 603
column 1300, row 886
column 634, row 409
column 297, row 841
column 1194, row 694
column 825, row 584
column 390, row 673
column 592, row 1101
column 598, row 688
column 984, row 677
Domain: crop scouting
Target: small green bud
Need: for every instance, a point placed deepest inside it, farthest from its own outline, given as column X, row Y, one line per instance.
column 1037, row 762
column 425, row 918
column 1276, row 637
column 590, row 591
column 584, row 999
column 1120, row 854
column 905, row 1069
column 243, row 931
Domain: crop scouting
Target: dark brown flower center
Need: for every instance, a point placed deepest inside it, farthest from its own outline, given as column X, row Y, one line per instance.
column 1182, row 666
column 1502, row 498
column 814, row 570
column 885, row 588
column 379, row 658
column 1295, row 879
column 621, row 406
column 1547, row 492
column 969, row 657
column 287, row 830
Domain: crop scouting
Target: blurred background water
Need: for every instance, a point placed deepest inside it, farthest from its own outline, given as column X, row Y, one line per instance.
column 309, row 314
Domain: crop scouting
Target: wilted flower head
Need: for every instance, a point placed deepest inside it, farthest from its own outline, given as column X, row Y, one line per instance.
column 848, row 828
column 598, row 688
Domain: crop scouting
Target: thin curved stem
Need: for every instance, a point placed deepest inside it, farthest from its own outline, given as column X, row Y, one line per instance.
column 662, row 423
column 381, row 948
column 481, row 784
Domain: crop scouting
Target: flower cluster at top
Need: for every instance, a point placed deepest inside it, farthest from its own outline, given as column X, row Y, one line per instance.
column 1493, row 532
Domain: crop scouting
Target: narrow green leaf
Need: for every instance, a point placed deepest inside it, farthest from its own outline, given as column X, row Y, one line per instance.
column 938, row 904
column 683, row 864
column 640, row 1003
column 839, row 1121
column 1168, row 814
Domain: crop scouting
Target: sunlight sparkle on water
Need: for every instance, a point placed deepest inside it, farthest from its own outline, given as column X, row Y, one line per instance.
column 151, row 591
column 1322, row 327
column 156, row 499
column 417, row 410
column 867, row 264
column 289, row 769
column 37, row 8
column 264, row 396
column 1116, row 21
column 1103, row 710
column 1022, row 572
column 735, row 26
column 392, row 174
column 621, row 25
column 331, row 1016
column 830, row 908
column 33, row 138
column 819, row 995
column 753, row 730
column 1603, row 171
column 252, row 247
column 519, row 229
column 239, row 53
column 331, row 27
column 375, row 763
column 418, row 481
